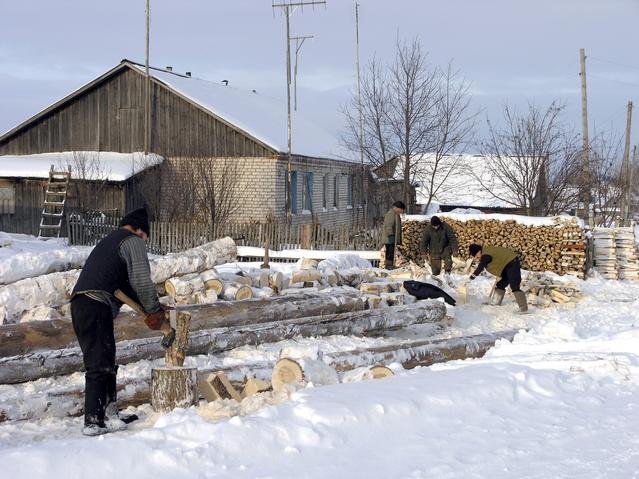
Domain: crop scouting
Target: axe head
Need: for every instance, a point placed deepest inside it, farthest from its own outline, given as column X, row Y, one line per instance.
column 168, row 338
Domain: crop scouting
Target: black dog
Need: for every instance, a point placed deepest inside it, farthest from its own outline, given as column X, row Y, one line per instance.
column 427, row 291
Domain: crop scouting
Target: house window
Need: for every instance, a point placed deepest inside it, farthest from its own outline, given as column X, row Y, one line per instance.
column 308, row 192
column 336, row 191
column 349, row 190
column 325, row 192
column 293, row 191
column 7, row 198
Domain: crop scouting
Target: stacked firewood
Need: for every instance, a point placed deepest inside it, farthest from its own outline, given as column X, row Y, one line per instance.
column 626, row 254
column 605, row 258
column 559, row 248
column 544, row 289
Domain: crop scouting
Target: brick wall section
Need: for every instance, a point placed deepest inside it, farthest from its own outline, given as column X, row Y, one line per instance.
column 261, row 189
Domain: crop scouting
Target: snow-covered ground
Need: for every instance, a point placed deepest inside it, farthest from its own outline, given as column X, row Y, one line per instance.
column 561, row 400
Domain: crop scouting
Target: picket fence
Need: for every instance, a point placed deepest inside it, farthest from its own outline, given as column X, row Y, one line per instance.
column 172, row 237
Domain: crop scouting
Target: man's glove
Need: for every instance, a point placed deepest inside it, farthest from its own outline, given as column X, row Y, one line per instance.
column 154, row 320
column 472, row 277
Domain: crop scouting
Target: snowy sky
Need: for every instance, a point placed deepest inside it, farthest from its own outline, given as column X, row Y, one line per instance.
column 512, row 50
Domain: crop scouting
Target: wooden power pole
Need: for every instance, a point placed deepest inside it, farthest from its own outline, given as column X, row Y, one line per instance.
column 147, row 83
column 361, row 122
column 625, row 172
column 287, row 7
column 585, row 178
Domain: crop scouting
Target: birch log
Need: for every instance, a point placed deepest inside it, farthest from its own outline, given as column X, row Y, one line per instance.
column 136, row 391
column 301, row 371
column 53, row 290
column 210, row 341
column 237, row 292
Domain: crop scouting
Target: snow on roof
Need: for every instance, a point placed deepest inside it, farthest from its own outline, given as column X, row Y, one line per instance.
column 261, row 116
column 461, row 180
column 100, row 165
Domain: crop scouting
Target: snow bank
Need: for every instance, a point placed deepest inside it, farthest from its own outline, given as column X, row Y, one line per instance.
column 25, row 256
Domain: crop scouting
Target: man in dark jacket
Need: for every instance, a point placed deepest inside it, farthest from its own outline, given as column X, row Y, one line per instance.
column 392, row 232
column 504, row 264
column 440, row 242
column 119, row 261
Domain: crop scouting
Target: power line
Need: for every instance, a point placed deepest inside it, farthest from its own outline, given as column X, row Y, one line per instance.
column 634, row 67
column 613, row 80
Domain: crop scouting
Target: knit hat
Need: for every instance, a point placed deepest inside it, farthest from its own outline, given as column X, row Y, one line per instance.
column 138, row 219
column 435, row 221
column 474, row 248
column 400, row 205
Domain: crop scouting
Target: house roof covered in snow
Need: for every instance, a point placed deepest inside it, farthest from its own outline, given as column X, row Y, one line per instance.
column 259, row 116
column 460, row 180
column 95, row 165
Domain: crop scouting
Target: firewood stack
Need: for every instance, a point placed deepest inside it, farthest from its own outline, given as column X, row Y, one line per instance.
column 559, row 248
column 626, row 253
column 605, row 261
column 543, row 289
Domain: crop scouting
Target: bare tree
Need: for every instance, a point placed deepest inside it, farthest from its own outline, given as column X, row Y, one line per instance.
column 531, row 152
column 410, row 108
column 88, row 179
column 605, row 173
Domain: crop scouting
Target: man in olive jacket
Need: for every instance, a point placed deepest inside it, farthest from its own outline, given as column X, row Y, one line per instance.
column 392, row 232
column 440, row 242
column 504, row 264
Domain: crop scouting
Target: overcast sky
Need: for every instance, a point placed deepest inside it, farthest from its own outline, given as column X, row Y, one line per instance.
column 512, row 51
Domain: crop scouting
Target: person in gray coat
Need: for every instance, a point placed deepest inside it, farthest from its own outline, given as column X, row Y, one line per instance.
column 392, row 232
column 440, row 242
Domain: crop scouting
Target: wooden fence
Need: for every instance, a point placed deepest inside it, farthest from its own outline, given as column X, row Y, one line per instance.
column 172, row 237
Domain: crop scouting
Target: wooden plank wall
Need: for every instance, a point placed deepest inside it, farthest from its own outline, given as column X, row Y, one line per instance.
column 110, row 117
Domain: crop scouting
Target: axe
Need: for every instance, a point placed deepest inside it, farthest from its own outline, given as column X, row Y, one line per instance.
column 166, row 329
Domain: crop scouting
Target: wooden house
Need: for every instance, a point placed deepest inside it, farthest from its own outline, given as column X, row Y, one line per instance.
column 200, row 129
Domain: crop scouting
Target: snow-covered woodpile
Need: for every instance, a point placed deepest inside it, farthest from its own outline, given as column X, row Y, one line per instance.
column 626, row 253
column 558, row 247
column 544, row 289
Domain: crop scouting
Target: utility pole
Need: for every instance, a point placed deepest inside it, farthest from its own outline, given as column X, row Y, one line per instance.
column 361, row 121
column 147, row 83
column 299, row 41
column 585, row 179
column 625, row 171
column 286, row 7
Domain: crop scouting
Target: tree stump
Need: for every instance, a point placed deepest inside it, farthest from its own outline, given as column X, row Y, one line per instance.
column 173, row 387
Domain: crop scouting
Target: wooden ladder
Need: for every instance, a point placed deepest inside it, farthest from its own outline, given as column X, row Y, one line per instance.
column 55, row 199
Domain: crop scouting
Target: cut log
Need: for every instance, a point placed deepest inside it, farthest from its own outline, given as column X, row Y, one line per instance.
column 173, row 387
column 275, row 281
column 301, row 371
column 308, row 263
column 212, row 281
column 254, row 386
column 46, row 348
column 214, row 386
column 175, row 355
column 231, row 278
column 381, row 372
column 237, row 292
column 136, row 391
column 305, row 276
column 367, row 373
column 184, row 285
column 286, row 372
column 373, row 302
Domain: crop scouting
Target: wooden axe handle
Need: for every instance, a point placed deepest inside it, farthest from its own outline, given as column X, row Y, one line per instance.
column 120, row 295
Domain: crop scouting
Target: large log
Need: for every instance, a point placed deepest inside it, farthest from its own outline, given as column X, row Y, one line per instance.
column 25, row 355
column 134, row 392
column 54, row 289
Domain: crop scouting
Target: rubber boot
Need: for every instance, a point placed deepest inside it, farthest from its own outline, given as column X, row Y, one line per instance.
column 498, row 297
column 522, row 302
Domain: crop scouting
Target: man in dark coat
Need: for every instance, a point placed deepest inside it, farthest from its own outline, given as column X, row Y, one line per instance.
column 505, row 265
column 119, row 261
column 392, row 232
column 440, row 241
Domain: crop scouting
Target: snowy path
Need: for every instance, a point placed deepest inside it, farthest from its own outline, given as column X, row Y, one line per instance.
column 562, row 400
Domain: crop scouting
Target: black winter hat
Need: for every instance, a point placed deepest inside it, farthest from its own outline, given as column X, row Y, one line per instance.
column 138, row 219
column 474, row 248
column 435, row 221
column 400, row 205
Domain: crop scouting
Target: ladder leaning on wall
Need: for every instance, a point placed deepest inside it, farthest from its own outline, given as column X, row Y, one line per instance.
column 55, row 198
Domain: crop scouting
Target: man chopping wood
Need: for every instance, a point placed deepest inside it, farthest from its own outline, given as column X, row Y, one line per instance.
column 392, row 232
column 440, row 241
column 505, row 265
column 119, row 261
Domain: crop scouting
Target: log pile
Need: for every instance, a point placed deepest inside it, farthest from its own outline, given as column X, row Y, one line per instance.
column 544, row 289
column 605, row 260
column 559, row 248
column 626, row 253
